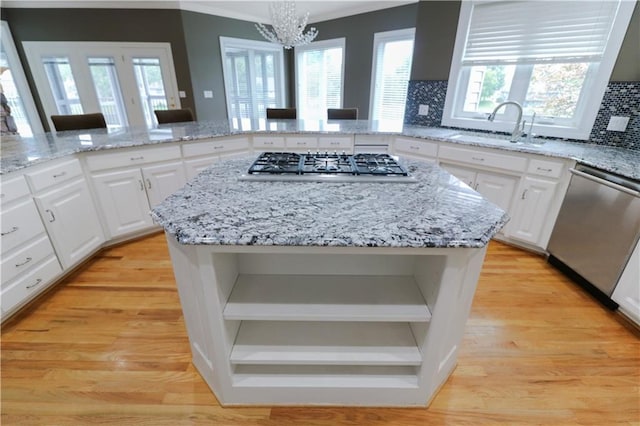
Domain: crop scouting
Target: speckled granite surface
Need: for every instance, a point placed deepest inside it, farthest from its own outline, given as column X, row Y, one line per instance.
column 20, row 153
column 437, row 211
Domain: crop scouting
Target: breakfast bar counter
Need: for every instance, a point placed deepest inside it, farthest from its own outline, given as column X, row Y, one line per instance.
column 326, row 293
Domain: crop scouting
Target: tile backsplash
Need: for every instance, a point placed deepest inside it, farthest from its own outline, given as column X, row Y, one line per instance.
column 620, row 99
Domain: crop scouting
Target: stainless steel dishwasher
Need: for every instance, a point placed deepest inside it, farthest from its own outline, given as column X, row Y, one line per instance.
column 596, row 230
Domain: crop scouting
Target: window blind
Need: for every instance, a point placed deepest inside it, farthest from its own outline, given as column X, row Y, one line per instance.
column 393, row 67
column 538, row 31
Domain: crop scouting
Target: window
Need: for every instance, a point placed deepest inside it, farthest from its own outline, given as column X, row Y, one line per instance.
column 15, row 87
column 553, row 58
column 124, row 81
column 392, row 55
column 319, row 78
column 105, row 81
column 253, row 77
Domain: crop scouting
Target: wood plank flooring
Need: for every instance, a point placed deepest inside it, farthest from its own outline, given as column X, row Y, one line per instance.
column 108, row 346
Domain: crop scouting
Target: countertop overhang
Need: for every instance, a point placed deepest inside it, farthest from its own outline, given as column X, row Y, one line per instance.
column 18, row 153
column 216, row 208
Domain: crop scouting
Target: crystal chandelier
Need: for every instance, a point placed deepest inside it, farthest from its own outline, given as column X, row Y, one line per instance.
column 288, row 29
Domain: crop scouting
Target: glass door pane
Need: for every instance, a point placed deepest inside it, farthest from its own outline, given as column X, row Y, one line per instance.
column 150, row 86
column 63, row 85
column 14, row 116
column 105, row 81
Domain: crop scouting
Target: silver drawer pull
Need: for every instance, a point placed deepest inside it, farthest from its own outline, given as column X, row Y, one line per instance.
column 38, row 281
column 137, row 158
column 141, row 185
column 544, row 170
column 414, row 147
column 27, row 260
column 11, row 231
column 477, row 158
column 148, row 183
column 53, row 217
column 524, row 194
column 59, row 175
column 218, row 147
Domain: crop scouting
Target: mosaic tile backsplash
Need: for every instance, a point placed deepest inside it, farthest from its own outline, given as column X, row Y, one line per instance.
column 620, row 98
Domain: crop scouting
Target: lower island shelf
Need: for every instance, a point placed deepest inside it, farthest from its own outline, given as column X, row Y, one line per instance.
column 287, row 325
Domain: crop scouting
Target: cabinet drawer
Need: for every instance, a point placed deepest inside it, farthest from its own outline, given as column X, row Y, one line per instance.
column 545, row 168
column 13, row 189
column 30, row 283
column 262, row 143
column 417, row 147
column 25, row 258
column 302, row 142
column 483, row 158
column 19, row 224
column 132, row 157
column 54, row 174
column 335, row 143
column 215, row 146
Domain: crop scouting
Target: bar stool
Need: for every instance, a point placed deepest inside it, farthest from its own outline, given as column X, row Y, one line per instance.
column 79, row 121
column 342, row 113
column 173, row 115
column 282, row 113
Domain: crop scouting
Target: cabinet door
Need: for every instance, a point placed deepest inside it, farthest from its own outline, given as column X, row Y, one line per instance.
column 466, row 175
column 531, row 209
column 123, row 200
column 496, row 188
column 194, row 166
column 627, row 291
column 163, row 180
column 72, row 222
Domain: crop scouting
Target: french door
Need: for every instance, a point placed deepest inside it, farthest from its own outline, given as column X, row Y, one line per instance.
column 124, row 81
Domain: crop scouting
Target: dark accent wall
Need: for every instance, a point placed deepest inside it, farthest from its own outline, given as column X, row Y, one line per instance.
column 627, row 66
column 437, row 23
column 125, row 25
column 359, row 31
column 202, row 34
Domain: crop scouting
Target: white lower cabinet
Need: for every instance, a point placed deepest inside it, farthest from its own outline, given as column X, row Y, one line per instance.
column 627, row 291
column 72, row 222
column 495, row 187
column 532, row 210
column 126, row 196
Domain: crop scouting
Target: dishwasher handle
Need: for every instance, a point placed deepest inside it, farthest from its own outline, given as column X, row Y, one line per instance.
column 605, row 182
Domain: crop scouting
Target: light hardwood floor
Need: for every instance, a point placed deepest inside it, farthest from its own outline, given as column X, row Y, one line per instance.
column 108, row 346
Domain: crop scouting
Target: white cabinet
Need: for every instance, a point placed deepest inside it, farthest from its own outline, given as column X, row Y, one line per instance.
column 532, row 209
column 336, row 143
column 419, row 148
column 67, row 209
column 72, row 222
column 301, row 143
column 200, row 155
column 29, row 263
column 497, row 188
column 627, row 291
column 126, row 195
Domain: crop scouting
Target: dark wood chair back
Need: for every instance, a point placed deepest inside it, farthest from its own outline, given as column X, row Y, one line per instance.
column 283, row 113
column 173, row 115
column 79, row 121
column 342, row 113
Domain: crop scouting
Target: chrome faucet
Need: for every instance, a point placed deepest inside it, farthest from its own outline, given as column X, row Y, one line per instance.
column 517, row 131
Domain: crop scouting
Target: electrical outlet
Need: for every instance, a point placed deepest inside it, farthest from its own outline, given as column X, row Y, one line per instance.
column 208, row 93
column 423, row 110
column 182, row 94
column 618, row 124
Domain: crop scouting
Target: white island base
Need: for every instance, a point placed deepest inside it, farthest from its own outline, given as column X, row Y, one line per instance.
column 362, row 326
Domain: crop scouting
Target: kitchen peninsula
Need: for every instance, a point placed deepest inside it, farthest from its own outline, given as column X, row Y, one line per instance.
column 322, row 292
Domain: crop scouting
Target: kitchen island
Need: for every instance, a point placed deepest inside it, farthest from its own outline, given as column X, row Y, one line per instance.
column 325, row 293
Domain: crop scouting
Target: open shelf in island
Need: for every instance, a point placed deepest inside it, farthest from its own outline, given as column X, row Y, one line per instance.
column 326, row 326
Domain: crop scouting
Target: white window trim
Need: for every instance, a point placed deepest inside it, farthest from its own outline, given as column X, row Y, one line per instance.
column 323, row 44
column 20, row 80
column 79, row 52
column 589, row 102
column 257, row 45
column 378, row 38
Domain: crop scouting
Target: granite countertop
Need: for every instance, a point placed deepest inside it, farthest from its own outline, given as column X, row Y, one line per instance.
column 18, row 153
column 436, row 211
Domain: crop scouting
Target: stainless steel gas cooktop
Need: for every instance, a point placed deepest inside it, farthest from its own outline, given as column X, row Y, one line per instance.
column 327, row 167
